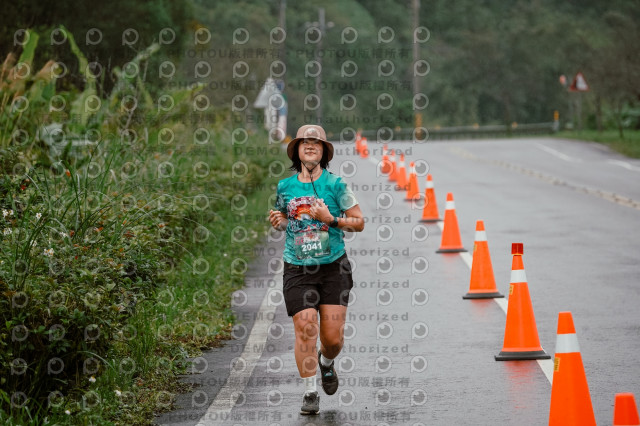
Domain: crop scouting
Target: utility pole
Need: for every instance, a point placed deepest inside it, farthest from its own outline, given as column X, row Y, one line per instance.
column 282, row 56
column 282, row 23
column 322, row 27
column 416, row 53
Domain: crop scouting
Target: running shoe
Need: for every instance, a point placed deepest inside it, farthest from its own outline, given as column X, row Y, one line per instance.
column 310, row 403
column 329, row 377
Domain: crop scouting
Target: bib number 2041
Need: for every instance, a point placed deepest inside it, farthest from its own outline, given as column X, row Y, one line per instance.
column 312, row 244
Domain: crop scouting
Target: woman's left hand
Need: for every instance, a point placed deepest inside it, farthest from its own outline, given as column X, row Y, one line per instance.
column 320, row 211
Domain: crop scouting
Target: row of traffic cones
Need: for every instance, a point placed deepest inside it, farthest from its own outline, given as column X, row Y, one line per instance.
column 396, row 173
column 570, row 398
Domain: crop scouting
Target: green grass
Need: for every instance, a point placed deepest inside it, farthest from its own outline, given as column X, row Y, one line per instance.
column 118, row 261
column 193, row 314
column 629, row 146
column 188, row 311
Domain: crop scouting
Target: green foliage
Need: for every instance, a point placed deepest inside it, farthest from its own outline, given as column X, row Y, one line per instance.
column 97, row 32
column 490, row 62
column 628, row 145
column 95, row 229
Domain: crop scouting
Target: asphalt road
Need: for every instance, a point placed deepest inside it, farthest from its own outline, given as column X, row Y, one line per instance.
column 415, row 351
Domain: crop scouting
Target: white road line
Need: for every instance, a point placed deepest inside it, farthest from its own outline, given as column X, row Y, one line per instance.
column 558, row 154
column 609, row 196
column 547, row 368
column 226, row 398
column 468, row 259
column 545, row 364
column 624, row 164
column 502, row 302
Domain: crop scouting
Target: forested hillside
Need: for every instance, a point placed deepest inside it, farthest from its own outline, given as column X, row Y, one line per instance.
column 490, row 62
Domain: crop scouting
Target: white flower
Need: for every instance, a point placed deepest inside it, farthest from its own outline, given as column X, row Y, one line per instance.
column 67, row 412
column 34, row 243
column 92, row 379
column 7, row 231
column 38, row 215
column 118, row 393
column 48, row 252
column 6, row 213
column 62, row 234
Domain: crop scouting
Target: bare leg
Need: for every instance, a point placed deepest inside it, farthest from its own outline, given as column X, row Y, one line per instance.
column 332, row 319
column 305, row 324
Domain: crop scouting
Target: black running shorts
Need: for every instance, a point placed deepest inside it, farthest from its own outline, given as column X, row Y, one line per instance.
column 310, row 286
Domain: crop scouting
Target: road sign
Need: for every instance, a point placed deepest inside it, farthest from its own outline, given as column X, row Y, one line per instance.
column 579, row 84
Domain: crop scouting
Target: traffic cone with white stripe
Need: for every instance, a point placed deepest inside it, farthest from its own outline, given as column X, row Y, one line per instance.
column 386, row 164
column 413, row 193
column 430, row 210
column 483, row 282
column 625, row 412
column 394, row 167
column 570, row 399
column 401, row 174
column 451, row 242
column 520, row 334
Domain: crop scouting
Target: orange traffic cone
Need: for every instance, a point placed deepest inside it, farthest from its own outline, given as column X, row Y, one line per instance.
column 413, row 193
column 483, row 283
column 625, row 411
column 386, row 164
column 358, row 143
column 451, row 242
column 394, row 167
column 520, row 333
column 364, row 148
column 570, row 399
column 430, row 210
column 401, row 174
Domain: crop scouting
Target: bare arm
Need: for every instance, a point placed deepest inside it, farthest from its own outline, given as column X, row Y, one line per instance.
column 354, row 221
column 278, row 220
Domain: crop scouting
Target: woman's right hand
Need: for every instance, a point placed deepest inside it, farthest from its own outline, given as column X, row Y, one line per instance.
column 277, row 219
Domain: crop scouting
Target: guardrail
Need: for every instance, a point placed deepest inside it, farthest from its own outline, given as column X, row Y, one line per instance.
column 461, row 132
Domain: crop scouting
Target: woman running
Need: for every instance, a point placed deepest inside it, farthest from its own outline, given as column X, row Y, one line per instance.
column 315, row 206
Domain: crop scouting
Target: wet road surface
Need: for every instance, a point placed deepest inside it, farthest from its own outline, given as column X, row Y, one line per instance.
column 415, row 352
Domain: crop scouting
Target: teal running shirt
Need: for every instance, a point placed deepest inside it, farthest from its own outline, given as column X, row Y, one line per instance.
column 310, row 241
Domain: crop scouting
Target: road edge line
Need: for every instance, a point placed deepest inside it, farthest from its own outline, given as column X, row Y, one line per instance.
column 237, row 380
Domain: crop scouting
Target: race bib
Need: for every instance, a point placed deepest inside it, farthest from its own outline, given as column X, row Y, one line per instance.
column 311, row 244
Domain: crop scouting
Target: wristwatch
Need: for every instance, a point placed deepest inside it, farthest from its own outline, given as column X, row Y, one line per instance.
column 334, row 222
